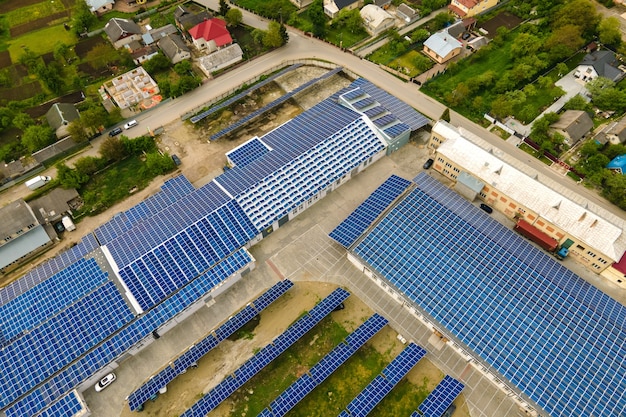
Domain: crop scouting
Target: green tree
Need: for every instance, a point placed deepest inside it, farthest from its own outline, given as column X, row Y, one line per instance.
column 112, row 149
column 578, row 102
column 233, row 17
column 224, row 8
column 609, row 31
column 446, row 115
column 615, row 190
column 419, row 35
column 348, row 19
column 22, row 121
column 51, row 76
column 82, row 18
column 94, row 118
column 183, row 67
column 77, row 131
column 564, row 41
column 158, row 164
column 610, row 99
column 283, row 34
column 598, row 84
column 138, row 145
column 70, row 178
column 61, row 51
column 6, row 117
column 89, row 165
column 525, row 44
column 272, row 37
column 501, row 107
column 37, row 137
column 101, row 55
column 561, row 69
column 156, row 64
column 588, row 149
column 442, row 20
column 579, row 13
column 317, row 17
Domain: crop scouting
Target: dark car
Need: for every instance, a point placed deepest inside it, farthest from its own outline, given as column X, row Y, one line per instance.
column 486, row 208
column 176, row 160
column 466, row 36
column 115, row 132
column 449, row 411
column 428, row 163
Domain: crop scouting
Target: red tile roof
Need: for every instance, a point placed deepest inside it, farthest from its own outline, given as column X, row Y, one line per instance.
column 457, row 11
column 469, row 3
column 212, row 30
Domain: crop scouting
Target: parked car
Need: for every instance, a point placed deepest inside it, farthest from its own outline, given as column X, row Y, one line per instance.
column 115, row 132
column 130, row 124
column 449, row 411
column 105, row 382
column 466, row 36
column 428, row 163
column 486, row 208
column 176, row 160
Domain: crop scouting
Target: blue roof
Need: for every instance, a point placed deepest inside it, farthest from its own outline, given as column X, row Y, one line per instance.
column 618, row 163
column 247, row 152
column 553, row 335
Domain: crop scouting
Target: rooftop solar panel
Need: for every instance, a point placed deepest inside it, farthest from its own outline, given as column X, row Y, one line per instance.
column 441, row 397
column 353, row 94
column 247, row 152
column 375, row 112
column 516, row 307
column 364, row 103
column 396, row 130
column 385, row 120
column 360, row 219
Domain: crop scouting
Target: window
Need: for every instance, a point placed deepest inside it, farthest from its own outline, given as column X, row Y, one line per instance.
column 550, row 229
column 504, row 200
column 593, row 255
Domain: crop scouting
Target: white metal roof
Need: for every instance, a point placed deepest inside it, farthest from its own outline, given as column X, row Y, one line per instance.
column 488, row 163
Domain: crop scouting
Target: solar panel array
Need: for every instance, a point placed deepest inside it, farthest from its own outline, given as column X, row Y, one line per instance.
column 349, row 230
column 37, row 355
column 121, row 341
column 172, row 263
column 382, row 385
column 247, row 152
column 67, row 406
column 266, row 355
column 172, row 190
column 253, row 115
column 297, row 182
column 552, row 334
column 354, row 94
column 385, row 120
column 47, row 269
column 325, row 367
column 441, row 398
column 396, row 130
column 364, row 103
column 48, row 298
column 396, row 106
column 237, row 97
column 201, row 348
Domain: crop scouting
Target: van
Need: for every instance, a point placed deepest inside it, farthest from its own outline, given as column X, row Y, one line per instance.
column 130, row 124
column 68, row 224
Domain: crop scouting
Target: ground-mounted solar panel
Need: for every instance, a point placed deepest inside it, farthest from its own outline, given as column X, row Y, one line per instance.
column 536, row 306
column 396, row 106
column 268, row 297
column 147, row 390
column 441, row 397
column 329, row 363
column 403, row 363
column 367, row 399
column 349, row 230
column 292, row 395
column 366, row 331
column 265, row 413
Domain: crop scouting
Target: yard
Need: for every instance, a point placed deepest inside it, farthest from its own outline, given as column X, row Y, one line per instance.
column 40, row 41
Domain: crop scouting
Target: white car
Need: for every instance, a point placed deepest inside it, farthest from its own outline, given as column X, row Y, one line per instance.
column 130, row 124
column 105, row 382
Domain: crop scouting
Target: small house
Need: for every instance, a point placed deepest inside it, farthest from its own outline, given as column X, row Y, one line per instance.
column 600, row 63
column 442, row 47
column 468, row 8
column 60, row 116
column 573, row 125
column 376, row 20
column 174, row 48
column 332, row 7
column 122, row 31
column 99, row 7
column 211, row 34
column 614, row 132
column 618, row 164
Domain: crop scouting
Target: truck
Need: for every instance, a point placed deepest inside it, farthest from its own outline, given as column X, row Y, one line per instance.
column 542, row 239
column 68, row 224
column 37, row 182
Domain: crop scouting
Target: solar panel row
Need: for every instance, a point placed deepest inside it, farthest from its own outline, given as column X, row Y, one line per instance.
column 67, row 406
column 441, row 397
column 191, row 356
column 273, row 104
column 325, row 367
column 403, row 363
column 349, row 230
column 525, row 314
column 397, row 130
column 48, row 298
column 262, row 358
column 47, row 269
column 237, row 97
column 247, row 152
column 121, row 341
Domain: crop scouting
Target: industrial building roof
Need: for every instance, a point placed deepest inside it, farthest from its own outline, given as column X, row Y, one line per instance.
column 15, row 216
column 566, row 214
column 553, row 335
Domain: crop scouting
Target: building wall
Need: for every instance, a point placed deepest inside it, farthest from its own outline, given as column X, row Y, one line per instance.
column 124, row 41
column 441, row 59
column 590, row 257
column 398, row 142
column 479, row 8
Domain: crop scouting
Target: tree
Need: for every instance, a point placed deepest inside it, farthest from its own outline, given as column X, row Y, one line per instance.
column 272, row 38
column 348, row 19
column 579, row 13
column 101, row 55
column 82, row 18
column 93, row 118
column 37, row 137
column 525, row 44
column 317, row 17
column 156, row 64
column 501, row 107
column 613, row 151
column 283, row 34
column 70, row 178
column 446, row 115
column 112, row 149
column 234, row 17
column 615, row 190
column 77, row 131
column 183, row 67
column 564, row 41
column 61, row 51
column 442, row 20
column 22, row 121
column 6, row 118
column 89, row 165
column 561, row 69
column 609, row 32
column 224, row 8
column 419, row 35
column 610, row 99
column 158, row 164
column 578, row 102
column 51, row 76
column 598, row 84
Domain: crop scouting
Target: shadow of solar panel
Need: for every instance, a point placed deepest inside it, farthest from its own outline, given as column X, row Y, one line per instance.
column 441, row 397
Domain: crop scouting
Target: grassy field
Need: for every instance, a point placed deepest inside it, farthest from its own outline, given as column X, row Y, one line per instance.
column 40, row 41
column 412, row 63
column 33, row 12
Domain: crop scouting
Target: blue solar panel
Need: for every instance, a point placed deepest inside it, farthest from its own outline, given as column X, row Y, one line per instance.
column 360, row 219
column 385, row 120
column 353, row 94
column 292, row 395
column 247, row 152
column 397, row 130
column 272, row 294
column 542, row 327
column 365, row 332
column 365, row 402
column 364, row 103
column 151, row 387
column 402, row 364
column 329, row 363
column 375, row 112
column 49, row 297
column 396, row 106
column 441, row 398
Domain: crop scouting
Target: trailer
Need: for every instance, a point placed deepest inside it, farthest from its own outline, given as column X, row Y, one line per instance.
column 37, row 182
column 542, row 239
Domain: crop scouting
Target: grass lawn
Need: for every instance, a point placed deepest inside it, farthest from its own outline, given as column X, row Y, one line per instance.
column 40, row 41
column 407, row 63
column 33, row 12
column 275, row 9
column 110, row 15
column 526, row 148
column 344, row 37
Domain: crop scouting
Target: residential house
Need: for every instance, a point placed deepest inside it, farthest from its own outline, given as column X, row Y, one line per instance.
column 456, row 29
column 376, row 20
column 600, row 63
column 99, row 7
column 220, row 59
column 60, row 116
column 144, row 53
column 406, row 13
column 186, row 19
column 618, row 164
column 441, row 47
column 122, row 31
column 154, row 35
column 301, row 4
column 614, row 132
column 174, row 48
column 468, row 8
column 573, row 125
column 383, row 4
column 210, row 34
column 332, row 7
